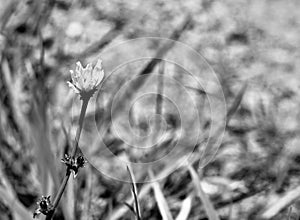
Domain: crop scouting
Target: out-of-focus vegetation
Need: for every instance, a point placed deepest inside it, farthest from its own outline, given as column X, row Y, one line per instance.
column 253, row 46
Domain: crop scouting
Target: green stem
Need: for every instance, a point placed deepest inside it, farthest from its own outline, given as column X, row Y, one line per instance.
column 85, row 102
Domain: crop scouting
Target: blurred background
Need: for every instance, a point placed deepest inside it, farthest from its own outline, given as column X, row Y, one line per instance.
column 239, row 124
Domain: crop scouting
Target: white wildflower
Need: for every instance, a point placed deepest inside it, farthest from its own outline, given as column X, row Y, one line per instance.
column 86, row 80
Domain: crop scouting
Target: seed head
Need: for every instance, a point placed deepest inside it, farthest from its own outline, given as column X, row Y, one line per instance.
column 44, row 206
column 80, row 161
column 73, row 164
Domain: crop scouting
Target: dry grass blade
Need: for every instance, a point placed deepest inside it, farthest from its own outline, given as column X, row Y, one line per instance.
column 208, row 206
column 119, row 212
column 160, row 199
column 282, row 203
column 6, row 12
column 18, row 209
column 137, row 84
column 34, row 123
column 202, row 92
column 135, row 194
column 158, row 103
column 236, row 103
column 185, row 208
column 105, row 40
column 130, row 208
column 160, row 89
column 145, row 72
column 9, row 197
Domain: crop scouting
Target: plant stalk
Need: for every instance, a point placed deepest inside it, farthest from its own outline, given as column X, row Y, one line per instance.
column 85, row 102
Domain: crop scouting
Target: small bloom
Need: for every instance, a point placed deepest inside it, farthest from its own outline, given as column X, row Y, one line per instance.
column 86, row 80
column 44, row 206
column 73, row 164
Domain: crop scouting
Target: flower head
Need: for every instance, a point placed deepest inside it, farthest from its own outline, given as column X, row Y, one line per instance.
column 73, row 164
column 44, row 206
column 86, row 80
column 80, row 161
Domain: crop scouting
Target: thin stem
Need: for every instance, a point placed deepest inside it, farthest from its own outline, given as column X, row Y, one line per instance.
column 61, row 190
column 85, row 102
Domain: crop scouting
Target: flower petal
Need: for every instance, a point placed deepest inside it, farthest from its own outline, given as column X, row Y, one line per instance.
column 79, row 68
column 72, row 86
column 74, row 76
column 80, row 73
column 87, row 76
column 98, row 73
